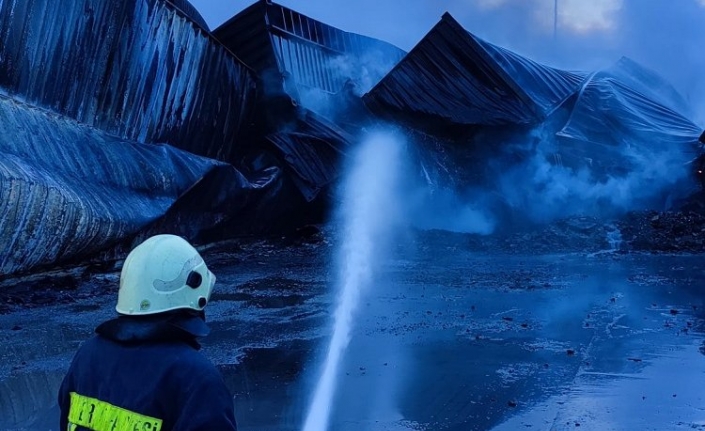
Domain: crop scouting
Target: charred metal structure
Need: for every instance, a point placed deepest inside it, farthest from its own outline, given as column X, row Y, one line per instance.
column 480, row 97
column 296, row 54
column 139, row 70
column 624, row 110
column 123, row 119
column 454, row 78
column 308, row 71
column 98, row 83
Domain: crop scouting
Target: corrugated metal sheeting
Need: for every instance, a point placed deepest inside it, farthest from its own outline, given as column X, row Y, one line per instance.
column 545, row 87
column 313, row 149
column 247, row 36
column 315, row 53
column 136, row 69
column 309, row 52
column 611, row 119
column 650, row 84
column 185, row 7
column 68, row 190
column 457, row 78
column 294, row 54
column 98, row 81
column 610, row 112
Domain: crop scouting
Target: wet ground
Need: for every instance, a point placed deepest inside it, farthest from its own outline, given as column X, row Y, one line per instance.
column 447, row 339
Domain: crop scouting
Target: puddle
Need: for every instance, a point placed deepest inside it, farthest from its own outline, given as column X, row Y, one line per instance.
column 264, row 384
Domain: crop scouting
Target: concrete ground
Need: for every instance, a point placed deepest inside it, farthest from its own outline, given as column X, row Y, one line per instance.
column 445, row 339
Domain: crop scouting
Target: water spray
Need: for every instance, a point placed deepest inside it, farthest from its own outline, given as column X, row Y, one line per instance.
column 368, row 213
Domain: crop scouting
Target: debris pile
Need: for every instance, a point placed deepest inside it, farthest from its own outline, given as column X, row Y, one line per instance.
column 675, row 231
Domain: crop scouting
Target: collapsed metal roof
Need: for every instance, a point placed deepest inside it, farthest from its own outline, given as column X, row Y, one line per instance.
column 69, row 191
column 295, row 55
column 612, row 122
column 453, row 80
column 136, row 69
column 313, row 149
column 88, row 87
column 300, row 53
column 185, row 7
column 455, row 77
column 99, row 82
column 611, row 112
column 650, row 84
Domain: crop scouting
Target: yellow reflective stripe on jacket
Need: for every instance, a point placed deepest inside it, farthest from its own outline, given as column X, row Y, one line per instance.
column 98, row 415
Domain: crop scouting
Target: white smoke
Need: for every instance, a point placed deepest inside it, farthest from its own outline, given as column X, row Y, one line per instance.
column 350, row 73
column 544, row 190
column 449, row 210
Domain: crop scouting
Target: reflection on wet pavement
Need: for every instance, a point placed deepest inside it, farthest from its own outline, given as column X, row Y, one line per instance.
column 445, row 341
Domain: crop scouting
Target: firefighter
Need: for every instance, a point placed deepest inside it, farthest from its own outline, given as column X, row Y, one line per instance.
column 142, row 370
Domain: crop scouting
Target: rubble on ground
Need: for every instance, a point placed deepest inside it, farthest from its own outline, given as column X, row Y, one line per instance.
column 673, row 231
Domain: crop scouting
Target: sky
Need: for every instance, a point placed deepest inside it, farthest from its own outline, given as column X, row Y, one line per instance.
column 667, row 36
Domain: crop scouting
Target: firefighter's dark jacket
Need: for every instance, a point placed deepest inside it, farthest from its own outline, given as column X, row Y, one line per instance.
column 145, row 374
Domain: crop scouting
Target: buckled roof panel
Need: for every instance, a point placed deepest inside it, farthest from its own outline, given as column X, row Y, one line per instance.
column 69, row 191
column 314, row 55
column 454, row 76
column 137, row 69
column 313, row 150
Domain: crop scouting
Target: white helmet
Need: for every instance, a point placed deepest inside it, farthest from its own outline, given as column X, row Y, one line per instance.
column 164, row 273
